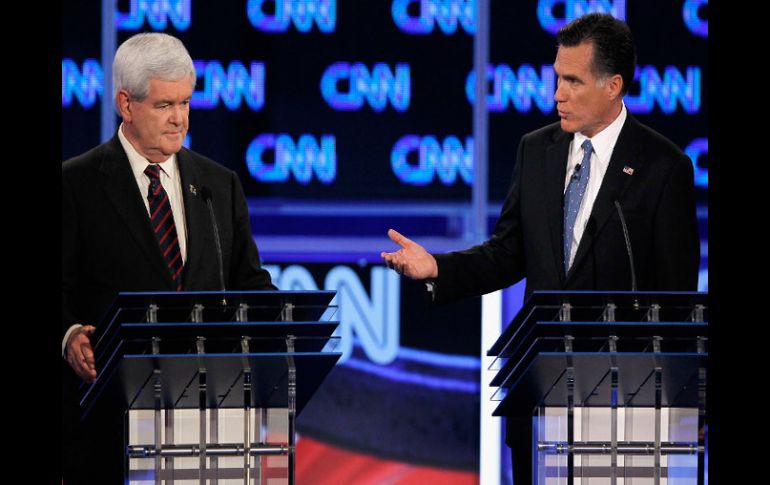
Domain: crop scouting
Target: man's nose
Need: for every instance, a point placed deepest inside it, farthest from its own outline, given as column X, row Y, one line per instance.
column 560, row 95
column 176, row 115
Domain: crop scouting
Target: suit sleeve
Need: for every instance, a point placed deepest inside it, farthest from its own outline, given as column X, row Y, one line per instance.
column 69, row 227
column 498, row 262
column 675, row 240
column 246, row 272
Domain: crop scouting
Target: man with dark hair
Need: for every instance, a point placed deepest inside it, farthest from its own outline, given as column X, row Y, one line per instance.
column 559, row 226
column 134, row 219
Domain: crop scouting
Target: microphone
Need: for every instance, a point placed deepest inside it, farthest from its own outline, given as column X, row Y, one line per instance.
column 576, row 172
column 628, row 250
column 206, row 194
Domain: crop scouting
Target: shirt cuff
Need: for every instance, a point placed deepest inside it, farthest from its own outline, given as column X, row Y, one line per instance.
column 67, row 337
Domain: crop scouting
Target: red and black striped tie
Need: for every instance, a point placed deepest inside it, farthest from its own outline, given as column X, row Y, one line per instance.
column 162, row 221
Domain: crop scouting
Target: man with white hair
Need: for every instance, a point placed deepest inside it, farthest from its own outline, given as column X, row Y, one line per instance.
column 135, row 218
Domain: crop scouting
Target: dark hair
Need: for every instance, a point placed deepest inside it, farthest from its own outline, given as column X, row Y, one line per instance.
column 614, row 48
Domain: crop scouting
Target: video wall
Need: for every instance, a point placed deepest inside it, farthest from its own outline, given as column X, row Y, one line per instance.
column 369, row 103
column 372, row 100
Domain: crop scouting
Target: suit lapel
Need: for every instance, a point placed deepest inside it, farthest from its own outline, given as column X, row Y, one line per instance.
column 196, row 217
column 555, row 171
column 121, row 190
column 615, row 183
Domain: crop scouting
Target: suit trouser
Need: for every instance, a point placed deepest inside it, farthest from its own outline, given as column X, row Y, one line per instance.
column 92, row 451
column 518, row 437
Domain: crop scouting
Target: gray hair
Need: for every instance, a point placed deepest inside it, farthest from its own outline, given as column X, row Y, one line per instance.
column 146, row 56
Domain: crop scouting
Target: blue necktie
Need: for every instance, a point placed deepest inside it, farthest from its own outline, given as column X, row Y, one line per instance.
column 573, row 197
column 163, row 225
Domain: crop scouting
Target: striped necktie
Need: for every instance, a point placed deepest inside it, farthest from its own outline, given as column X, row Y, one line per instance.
column 162, row 221
column 573, row 197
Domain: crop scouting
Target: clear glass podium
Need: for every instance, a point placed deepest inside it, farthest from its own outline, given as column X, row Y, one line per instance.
column 210, row 383
column 615, row 383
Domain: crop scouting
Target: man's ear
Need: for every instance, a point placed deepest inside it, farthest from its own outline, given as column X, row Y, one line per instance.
column 122, row 101
column 614, row 86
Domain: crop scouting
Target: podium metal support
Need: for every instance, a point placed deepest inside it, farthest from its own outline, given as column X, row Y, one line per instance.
column 212, row 392
column 626, row 370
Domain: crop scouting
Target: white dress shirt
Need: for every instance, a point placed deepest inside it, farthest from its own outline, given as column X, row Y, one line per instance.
column 603, row 143
column 171, row 181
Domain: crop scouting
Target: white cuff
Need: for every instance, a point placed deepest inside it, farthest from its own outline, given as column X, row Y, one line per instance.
column 67, row 337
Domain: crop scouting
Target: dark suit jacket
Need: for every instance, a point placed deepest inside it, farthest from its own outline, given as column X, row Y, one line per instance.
column 108, row 245
column 658, row 203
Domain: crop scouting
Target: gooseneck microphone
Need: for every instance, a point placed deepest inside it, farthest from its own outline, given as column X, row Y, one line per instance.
column 628, row 250
column 206, row 194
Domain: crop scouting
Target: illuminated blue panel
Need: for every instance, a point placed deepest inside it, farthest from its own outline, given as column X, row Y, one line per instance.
column 447, row 160
column 697, row 148
column 694, row 23
column 673, row 90
column 300, row 160
column 157, row 13
column 519, row 89
column 231, row 87
column 447, row 13
column 376, row 88
column 574, row 9
column 373, row 316
column 86, row 84
column 525, row 86
column 301, row 12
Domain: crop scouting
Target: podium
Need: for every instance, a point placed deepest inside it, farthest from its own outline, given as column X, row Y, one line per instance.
column 210, row 383
column 615, row 383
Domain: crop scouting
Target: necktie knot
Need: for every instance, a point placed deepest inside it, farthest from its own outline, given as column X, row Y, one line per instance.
column 585, row 164
column 153, row 171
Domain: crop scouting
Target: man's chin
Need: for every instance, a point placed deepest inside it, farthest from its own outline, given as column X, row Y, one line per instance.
column 172, row 148
column 567, row 126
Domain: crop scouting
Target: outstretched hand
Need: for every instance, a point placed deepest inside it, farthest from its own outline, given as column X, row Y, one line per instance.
column 412, row 260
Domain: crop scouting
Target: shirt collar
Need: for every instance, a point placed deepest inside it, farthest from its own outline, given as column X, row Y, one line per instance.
column 139, row 163
column 604, row 141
